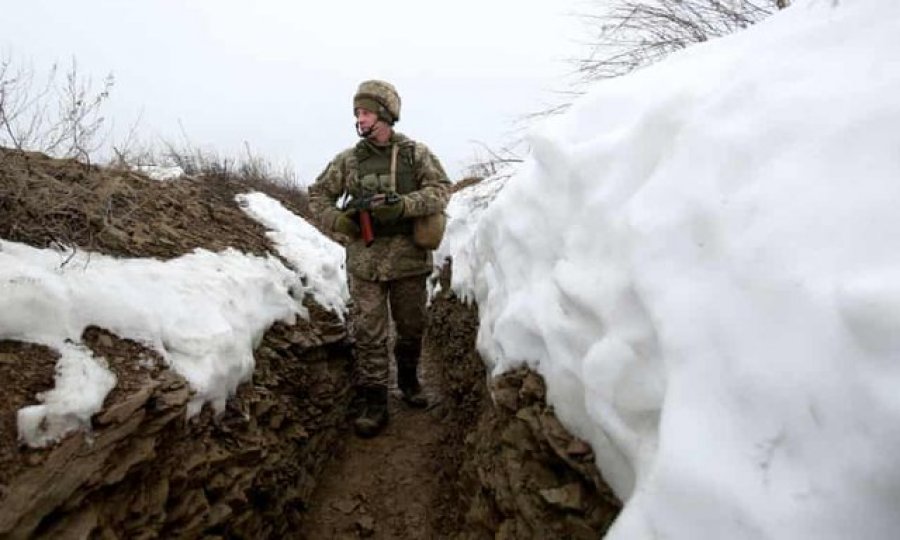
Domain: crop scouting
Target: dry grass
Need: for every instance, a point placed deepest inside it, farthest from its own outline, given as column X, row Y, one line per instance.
column 116, row 211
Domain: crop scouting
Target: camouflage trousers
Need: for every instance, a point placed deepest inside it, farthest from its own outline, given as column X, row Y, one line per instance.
column 375, row 304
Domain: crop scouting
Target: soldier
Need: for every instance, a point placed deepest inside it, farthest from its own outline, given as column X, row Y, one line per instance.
column 394, row 180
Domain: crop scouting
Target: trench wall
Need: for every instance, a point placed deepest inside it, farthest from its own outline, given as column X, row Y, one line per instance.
column 145, row 471
column 517, row 472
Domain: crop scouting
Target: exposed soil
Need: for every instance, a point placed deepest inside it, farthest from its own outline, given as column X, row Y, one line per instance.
column 404, row 483
column 518, row 473
column 46, row 201
column 469, row 467
column 28, row 369
column 385, row 487
column 25, row 370
column 145, row 472
column 133, row 364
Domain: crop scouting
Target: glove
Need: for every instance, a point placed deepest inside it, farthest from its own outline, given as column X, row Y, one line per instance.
column 345, row 224
column 389, row 212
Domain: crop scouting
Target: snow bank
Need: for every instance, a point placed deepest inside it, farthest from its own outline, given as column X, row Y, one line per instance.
column 319, row 260
column 464, row 212
column 701, row 259
column 162, row 173
column 204, row 312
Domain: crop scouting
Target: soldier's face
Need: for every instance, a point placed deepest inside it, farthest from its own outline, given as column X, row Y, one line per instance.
column 366, row 118
column 370, row 126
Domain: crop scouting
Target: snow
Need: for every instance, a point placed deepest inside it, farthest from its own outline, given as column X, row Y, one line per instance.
column 318, row 260
column 464, row 213
column 161, row 173
column 701, row 260
column 203, row 312
column 82, row 383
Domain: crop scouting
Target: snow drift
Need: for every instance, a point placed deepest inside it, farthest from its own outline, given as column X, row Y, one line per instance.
column 203, row 312
column 701, row 259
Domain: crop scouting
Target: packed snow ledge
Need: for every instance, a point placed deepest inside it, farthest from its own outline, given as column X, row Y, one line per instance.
column 702, row 260
column 204, row 312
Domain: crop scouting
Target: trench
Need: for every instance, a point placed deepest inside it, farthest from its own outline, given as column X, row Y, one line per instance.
column 282, row 461
column 404, row 483
column 469, row 466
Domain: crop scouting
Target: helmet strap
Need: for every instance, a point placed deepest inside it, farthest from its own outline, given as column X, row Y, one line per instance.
column 364, row 133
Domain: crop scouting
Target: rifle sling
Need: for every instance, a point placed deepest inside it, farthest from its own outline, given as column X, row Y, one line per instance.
column 404, row 226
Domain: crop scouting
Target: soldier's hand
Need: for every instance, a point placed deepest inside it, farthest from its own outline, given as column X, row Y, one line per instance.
column 389, row 209
column 345, row 224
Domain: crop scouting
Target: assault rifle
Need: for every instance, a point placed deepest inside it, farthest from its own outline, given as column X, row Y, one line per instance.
column 364, row 205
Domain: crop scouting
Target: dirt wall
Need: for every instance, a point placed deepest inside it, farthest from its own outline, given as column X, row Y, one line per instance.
column 145, row 471
column 515, row 470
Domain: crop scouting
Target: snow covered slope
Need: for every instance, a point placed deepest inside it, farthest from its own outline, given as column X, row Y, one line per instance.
column 203, row 312
column 702, row 260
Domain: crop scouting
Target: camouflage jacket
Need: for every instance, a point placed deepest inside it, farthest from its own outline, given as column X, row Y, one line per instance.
column 420, row 180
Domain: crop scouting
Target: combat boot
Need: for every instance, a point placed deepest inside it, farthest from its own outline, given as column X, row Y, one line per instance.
column 411, row 390
column 374, row 414
column 407, row 355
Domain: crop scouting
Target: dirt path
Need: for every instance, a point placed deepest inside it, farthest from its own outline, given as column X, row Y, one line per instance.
column 388, row 487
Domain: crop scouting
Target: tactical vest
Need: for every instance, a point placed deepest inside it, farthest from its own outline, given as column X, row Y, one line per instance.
column 373, row 176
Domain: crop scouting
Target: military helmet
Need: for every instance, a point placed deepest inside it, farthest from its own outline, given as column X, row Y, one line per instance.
column 379, row 97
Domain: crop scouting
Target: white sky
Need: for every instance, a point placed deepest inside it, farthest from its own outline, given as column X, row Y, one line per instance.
column 281, row 74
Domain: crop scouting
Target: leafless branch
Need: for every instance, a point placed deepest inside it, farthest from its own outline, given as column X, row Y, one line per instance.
column 628, row 34
column 632, row 33
column 29, row 120
column 496, row 159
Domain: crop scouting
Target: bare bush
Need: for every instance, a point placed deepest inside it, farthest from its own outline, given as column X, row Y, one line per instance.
column 625, row 35
column 47, row 202
column 31, row 119
column 198, row 162
column 628, row 34
column 22, row 106
column 76, row 133
column 251, row 170
column 489, row 161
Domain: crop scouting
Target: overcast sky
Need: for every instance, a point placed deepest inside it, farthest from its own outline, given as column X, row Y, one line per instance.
column 280, row 75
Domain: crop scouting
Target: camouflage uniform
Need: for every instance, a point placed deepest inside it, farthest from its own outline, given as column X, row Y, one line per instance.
column 387, row 279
